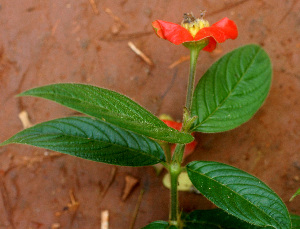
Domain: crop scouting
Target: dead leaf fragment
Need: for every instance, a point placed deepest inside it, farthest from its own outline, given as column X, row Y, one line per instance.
column 130, row 183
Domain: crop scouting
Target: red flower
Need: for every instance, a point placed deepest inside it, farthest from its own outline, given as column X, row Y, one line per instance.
column 190, row 147
column 193, row 30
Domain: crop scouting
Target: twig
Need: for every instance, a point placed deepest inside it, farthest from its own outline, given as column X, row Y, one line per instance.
column 74, row 203
column 6, row 203
column 122, row 37
column 23, row 116
column 288, row 12
column 170, row 85
column 53, row 30
column 116, row 19
column 104, row 219
column 140, row 53
column 179, row 61
column 95, row 9
column 227, row 7
column 112, row 177
column 137, row 207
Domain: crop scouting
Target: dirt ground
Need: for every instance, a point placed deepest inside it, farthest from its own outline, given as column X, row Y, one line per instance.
column 86, row 41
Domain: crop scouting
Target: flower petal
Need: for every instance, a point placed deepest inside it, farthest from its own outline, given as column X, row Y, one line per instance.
column 189, row 148
column 172, row 32
column 211, row 45
column 228, row 28
column 220, row 32
column 173, row 124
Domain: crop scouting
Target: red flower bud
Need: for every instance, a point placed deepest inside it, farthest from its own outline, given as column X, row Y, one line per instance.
column 190, row 147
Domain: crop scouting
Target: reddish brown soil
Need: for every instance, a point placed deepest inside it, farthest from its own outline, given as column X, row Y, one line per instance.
column 43, row 42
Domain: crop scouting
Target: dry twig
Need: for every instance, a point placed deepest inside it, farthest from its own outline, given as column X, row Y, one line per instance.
column 8, row 210
column 137, row 207
column 53, row 30
column 23, row 116
column 112, row 177
column 179, row 61
column 122, row 37
column 74, row 203
column 95, row 9
column 105, row 219
column 227, row 8
column 140, row 53
column 116, row 18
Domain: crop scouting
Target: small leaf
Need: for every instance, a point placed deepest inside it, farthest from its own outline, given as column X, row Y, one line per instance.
column 296, row 194
column 239, row 194
column 215, row 219
column 111, row 106
column 232, row 90
column 295, row 221
column 92, row 139
column 157, row 225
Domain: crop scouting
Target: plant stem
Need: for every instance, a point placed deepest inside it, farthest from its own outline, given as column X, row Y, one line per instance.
column 174, row 173
column 178, row 153
column 194, row 53
column 175, row 166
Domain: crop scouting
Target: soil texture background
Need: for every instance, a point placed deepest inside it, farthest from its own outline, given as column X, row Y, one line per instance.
column 86, row 41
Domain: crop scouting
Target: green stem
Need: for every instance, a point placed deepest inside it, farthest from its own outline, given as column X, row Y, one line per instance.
column 178, row 153
column 174, row 173
column 175, row 166
column 194, row 53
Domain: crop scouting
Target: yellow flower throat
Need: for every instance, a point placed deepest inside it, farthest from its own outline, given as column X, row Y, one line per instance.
column 192, row 24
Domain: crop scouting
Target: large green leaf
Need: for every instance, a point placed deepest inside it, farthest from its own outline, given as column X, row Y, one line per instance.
column 158, row 225
column 232, row 90
column 295, row 221
column 111, row 106
column 215, row 219
column 92, row 139
column 239, row 194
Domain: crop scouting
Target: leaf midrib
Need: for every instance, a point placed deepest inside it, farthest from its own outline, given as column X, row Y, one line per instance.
column 224, row 100
column 96, row 105
column 131, row 149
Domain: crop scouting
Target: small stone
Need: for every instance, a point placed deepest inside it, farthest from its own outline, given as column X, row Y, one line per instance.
column 55, row 226
column 296, row 178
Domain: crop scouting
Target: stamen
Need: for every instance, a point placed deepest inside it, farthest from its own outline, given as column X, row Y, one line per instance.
column 202, row 13
column 188, row 17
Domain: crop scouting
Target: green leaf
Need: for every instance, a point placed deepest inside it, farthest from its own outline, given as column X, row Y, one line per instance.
column 239, row 194
column 296, row 194
column 92, row 139
column 295, row 221
column 232, row 90
column 215, row 219
column 110, row 106
column 157, row 225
